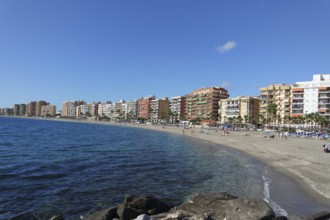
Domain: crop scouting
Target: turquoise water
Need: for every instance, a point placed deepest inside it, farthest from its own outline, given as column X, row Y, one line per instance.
column 50, row 167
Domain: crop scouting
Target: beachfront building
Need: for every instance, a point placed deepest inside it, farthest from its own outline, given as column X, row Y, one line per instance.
column 279, row 94
column 119, row 110
column 242, row 110
column 6, row 111
column 105, row 109
column 69, row 108
column 159, row 110
column 38, row 107
column 87, row 110
column 16, row 109
column 178, row 108
column 48, row 111
column 31, row 108
column 312, row 96
column 204, row 103
column 144, row 107
column 22, row 109
column 132, row 107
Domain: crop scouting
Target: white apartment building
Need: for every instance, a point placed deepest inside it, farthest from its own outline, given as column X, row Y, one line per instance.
column 105, row 109
column 177, row 107
column 131, row 110
column 312, row 96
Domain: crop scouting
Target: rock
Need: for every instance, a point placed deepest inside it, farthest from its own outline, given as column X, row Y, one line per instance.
column 127, row 213
column 25, row 216
column 207, row 203
column 320, row 216
column 57, row 217
column 143, row 217
column 106, row 214
column 248, row 209
column 281, row 218
column 146, row 204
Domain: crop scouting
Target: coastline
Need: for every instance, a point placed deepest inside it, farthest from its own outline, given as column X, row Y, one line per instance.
column 302, row 160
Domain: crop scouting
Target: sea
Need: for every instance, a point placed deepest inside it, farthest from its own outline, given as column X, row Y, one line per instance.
column 50, row 167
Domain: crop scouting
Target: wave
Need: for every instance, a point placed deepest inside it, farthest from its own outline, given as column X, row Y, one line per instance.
column 45, row 176
column 277, row 208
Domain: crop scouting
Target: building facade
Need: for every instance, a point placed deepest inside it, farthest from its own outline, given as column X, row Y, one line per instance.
column 159, row 110
column 38, row 107
column 241, row 108
column 312, row 96
column 69, row 108
column 178, row 108
column 48, row 111
column 279, row 94
column 132, row 107
column 204, row 103
column 31, row 108
column 144, row 107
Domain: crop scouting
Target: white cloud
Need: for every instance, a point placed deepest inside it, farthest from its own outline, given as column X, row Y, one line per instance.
column 227, row 47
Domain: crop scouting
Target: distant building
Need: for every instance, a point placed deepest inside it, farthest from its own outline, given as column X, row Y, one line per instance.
column 244, row 108
column 105, row 109
column 178, row 108
column 279, row 94
column 69, row 108
column 144, row 107
column 48, row 111
column 22, row 109
column 311, row 96
column 31, row 109
column 204, row 103
column 132, row 107
column 159, row 110
column 16, row 109
column 6, row 111
column 38, row 107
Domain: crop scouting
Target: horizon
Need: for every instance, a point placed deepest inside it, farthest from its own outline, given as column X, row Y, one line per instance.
column 112, row 50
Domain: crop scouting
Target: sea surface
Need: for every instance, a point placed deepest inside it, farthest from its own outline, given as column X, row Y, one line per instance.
column 54, row 167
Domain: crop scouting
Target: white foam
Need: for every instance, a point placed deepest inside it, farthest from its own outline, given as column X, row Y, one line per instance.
column 276, row 208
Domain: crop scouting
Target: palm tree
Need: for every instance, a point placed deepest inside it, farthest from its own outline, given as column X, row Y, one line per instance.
column 272, row 109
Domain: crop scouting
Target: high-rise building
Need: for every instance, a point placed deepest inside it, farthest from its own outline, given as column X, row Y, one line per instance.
column 16, row 109
column 31, row 109
column 312, row 96
column 243, row 107
column 22, row 109
column 105, row 109
column 279, row 94
column 48, row 111
column 39, row 105
column 69, row 108
column 132, row 107
column 204, row 103
column 144, row 107
column 159, row 110
column 178, row 108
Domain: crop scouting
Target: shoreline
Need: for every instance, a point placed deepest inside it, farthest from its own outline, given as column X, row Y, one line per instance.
column 299, row 159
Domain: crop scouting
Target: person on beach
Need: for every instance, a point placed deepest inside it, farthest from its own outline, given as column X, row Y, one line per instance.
column 325, row 148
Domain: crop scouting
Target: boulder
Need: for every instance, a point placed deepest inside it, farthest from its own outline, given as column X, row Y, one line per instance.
column 146, row 204
column 106, row 214
column 319, row 216
column 212, row 205
column 248, row 209
column 127, row 213
column 143, row 217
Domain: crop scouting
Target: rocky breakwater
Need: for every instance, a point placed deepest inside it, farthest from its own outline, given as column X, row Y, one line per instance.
column 205, row 206
column 219, row 206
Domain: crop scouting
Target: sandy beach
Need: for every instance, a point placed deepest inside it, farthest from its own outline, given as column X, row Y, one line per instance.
column 302, row 159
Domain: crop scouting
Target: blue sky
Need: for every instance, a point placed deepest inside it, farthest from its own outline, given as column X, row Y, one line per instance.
column 117, row 49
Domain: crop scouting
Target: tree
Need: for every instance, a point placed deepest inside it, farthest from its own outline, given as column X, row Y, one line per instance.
column 272, row 110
